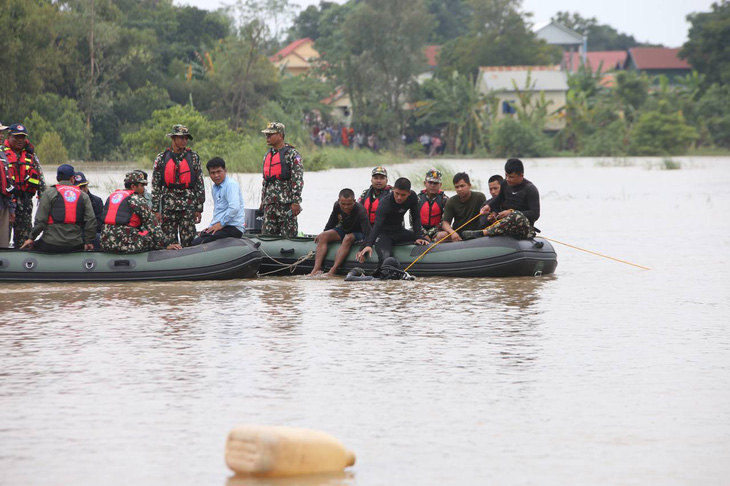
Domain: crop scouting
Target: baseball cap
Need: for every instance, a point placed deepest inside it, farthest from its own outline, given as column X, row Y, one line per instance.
column 274, row 127
column 80, row 179
column 433, row 175
column 380, row 170
column 17, row 129
column 180, row 131
column 135, row 177
column 65, row 172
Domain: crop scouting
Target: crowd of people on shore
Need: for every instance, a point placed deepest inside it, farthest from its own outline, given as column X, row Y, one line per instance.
column 70, row 218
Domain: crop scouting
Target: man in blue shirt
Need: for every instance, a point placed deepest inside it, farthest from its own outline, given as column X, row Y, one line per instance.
column 228, row 214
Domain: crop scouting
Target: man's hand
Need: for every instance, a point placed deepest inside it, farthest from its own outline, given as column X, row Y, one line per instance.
column 198, row 217
column 485, row 209
column 11, row 218
column 491, row 217
column 421, row 241
column 88, row 247
column 27, row 244
column 213, row 229
column 455, row 237
column 174, row 246
column 296, row 209
column 504, row 214
column 159, row 218
column 361, row 254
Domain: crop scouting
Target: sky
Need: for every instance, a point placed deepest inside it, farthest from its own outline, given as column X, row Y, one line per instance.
column 656, row 21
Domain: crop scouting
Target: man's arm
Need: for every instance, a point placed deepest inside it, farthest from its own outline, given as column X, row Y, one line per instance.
column 42, row 183
column 157, row 183
column 532, row 198
column 332, row 221
column 41, row 216
column 297, row 178
column 199, row 184
column 362, row 217
column 89, row 219
column 448, row 217
column 380, row 215
column 415, row 215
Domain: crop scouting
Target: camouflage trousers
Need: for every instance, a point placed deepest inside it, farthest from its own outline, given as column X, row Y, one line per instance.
column 182, row 222
column 516, row 224
column 278, row 220
column 430, row 231
column 126, row 239
column 23, row 221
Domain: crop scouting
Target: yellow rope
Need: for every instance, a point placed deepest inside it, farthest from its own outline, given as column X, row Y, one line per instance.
column 430, row 247
column 594, row 253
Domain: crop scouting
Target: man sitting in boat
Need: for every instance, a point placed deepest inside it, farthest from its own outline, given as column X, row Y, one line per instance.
column 495, row 183
column 388, row 227
column 82, row 183
column 378, row 188
column 520, row 203
column 129, row 224
column 348, row 223
column 462, row 207
column 64, row 216
column 431, row 203
column 228, row 209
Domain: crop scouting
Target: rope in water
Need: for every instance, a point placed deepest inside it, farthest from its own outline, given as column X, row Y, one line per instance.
column 284, row 266
column 431, row 247
column 594, row 253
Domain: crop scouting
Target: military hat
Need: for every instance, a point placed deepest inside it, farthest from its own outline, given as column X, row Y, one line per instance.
column 180, row 131
column 380, row 171
column 274, row 127
column 18, row 129
column 135, row 177
column 80, row 179
column 433, row 175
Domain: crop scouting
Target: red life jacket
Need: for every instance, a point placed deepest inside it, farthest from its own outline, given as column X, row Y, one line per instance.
column 68, row 207
column 25, row 176
column 431, row 211
column 6, row 182
column 370, row 201
column 178, row 176
column 117, row 210
column 275, row 166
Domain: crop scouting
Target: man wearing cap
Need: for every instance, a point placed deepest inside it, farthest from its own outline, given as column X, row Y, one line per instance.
column 7, row 204
column 431, row 203
column 27, row 176
column 64, row 216
column 281, row 195
column 96, row 203
column 378, row 188
column 178, row 192
column 129, row 224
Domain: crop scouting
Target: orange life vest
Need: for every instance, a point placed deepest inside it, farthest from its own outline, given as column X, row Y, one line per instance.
column 117, row 210
column 67, row 208
column 431, row 211
column 178, row 176
column 25, row 176
column 275, row 167
column 370, row 201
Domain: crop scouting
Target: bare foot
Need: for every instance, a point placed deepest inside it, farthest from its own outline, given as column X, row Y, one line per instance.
column 331, row 274
column 314, row 274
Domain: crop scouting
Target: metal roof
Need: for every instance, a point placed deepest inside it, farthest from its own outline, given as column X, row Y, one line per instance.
column 544, row 78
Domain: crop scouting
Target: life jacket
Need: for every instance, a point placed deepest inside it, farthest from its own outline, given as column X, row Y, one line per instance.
column 431, row 211
column 275, row 165
column 67, row 208
column 25, row 175
column 370, row 201
column 178, row 176
column 6, row 181
column 117, row 210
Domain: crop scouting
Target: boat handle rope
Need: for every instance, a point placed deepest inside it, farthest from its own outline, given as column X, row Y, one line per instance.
column 431, row 247
column 594, row 253
column 291, row 266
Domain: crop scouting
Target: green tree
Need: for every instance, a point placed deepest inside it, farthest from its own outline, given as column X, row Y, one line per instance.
column 307, row 23
column 658, row 133
column 632, row 91
column 52, row 149
column 451, row 17
column 51, row 113
column 510, row 138
column 706, row 48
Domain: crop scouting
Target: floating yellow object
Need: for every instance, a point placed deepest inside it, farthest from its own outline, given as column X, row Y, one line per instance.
column 268, row 451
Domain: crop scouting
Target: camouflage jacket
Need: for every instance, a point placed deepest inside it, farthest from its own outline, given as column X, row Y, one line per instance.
column 191, row 199
column 285, row 191
column 124, row 238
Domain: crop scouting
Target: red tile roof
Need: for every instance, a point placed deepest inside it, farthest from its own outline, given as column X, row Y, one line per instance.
column 432, row 53
column 611, row 60
column 657, row 58
column 289, row 49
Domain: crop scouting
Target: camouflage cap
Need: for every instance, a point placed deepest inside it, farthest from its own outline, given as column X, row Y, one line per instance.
column 433, row 175
column 274, row 127
column 135, row 177
column 181, row 131
column 380, row 171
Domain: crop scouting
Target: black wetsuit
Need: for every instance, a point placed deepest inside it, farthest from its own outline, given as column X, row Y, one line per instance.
column 388, row 227
column 524, row 198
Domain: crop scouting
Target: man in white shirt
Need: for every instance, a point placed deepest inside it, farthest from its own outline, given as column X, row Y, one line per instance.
column 228, row 211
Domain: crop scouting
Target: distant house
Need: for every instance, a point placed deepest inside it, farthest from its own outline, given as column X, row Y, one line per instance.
column 548, row 79
column 556, row 34
column 657, row 60
column 296, row 58
column 607, row 60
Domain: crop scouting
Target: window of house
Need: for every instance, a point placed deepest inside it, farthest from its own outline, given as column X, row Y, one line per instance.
column 508, row 107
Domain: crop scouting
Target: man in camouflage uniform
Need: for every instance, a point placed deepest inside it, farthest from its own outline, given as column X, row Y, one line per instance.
column 281, row 196
column 25, row 170
column 435, row 199
column 125, row 238
column 178, row 192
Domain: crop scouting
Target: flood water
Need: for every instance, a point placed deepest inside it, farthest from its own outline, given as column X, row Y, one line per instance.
column 601, row 374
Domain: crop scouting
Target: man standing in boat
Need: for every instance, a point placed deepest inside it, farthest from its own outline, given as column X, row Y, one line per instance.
column 378, row 188
column 178, row 192
column 388, row 227
column 519, row 200
column 281, row 195
column 129, row 224
column 7, row 205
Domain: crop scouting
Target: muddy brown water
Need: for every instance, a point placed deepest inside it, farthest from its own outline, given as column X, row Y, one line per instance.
column 600, row 374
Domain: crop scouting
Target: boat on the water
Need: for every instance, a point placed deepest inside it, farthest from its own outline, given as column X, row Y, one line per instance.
column 219, row 260
column 499, row 256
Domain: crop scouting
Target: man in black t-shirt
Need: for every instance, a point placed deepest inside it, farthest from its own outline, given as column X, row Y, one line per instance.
column 388, row 227
column 348, row 223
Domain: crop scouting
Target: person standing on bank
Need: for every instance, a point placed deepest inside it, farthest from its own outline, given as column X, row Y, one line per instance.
column 281, row 195
column 228, row 209
column 63, row 211
column 388, row 227
column 178, row 192
column 27, row 177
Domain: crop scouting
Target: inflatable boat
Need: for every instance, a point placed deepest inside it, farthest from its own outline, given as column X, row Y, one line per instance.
column 499, row 256
column 222, row 259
